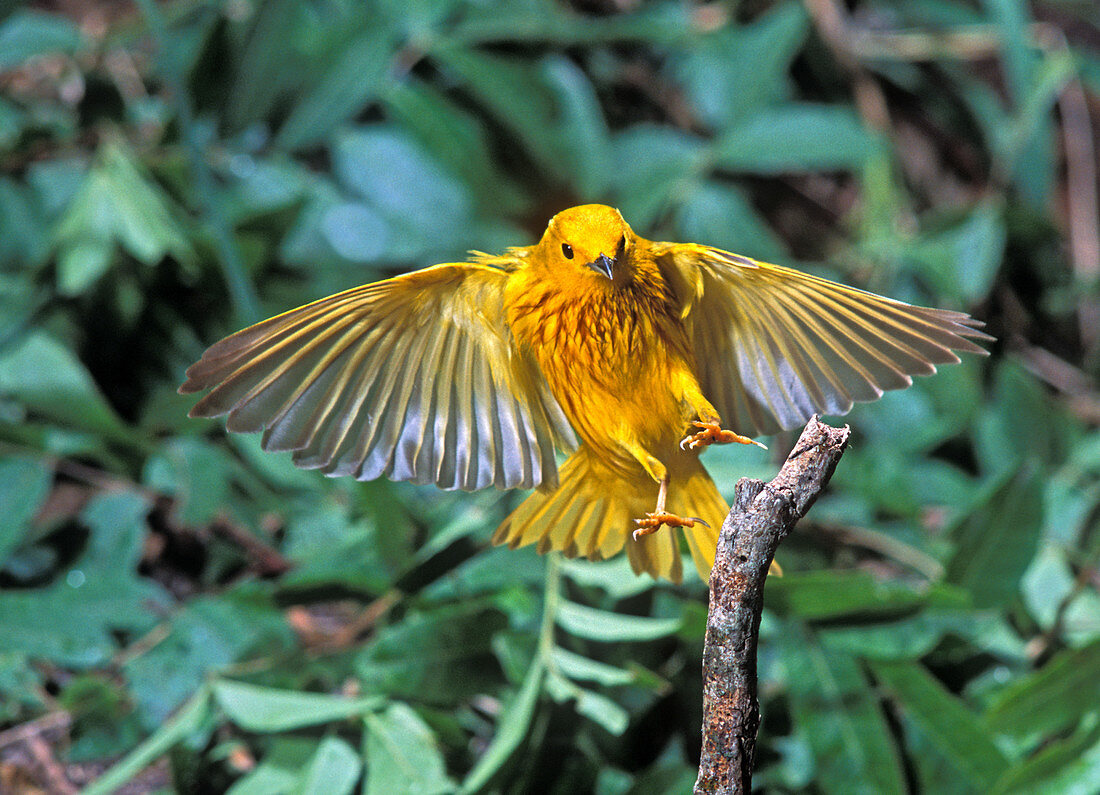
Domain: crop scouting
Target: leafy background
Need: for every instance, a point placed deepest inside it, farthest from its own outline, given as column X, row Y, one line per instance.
column 179, row 612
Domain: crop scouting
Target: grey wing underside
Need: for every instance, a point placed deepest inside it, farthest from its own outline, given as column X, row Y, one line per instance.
column 775, row 346
column 414, row 379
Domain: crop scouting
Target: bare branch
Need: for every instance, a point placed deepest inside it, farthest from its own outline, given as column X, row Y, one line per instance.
column 761, row 517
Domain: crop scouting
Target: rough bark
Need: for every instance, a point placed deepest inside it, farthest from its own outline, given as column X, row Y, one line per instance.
column 762, row 515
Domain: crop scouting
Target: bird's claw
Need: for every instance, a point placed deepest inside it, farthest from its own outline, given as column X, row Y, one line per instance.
column 653, row 521
column 713, row 433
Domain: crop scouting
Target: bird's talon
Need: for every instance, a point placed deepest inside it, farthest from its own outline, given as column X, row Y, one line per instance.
column 713, row 433
column 652, row 522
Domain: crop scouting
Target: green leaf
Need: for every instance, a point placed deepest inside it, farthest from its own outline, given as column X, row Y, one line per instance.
column 347, row 86
column 196, row 473
column 80, row 264
column 603, row 625
column 436, row 656
column 1051, row 699
column 423, row 208
column 832, row 594
column 1053, row 598
column 1065, row 767
column 603, row 711
column 614, row 577
column 575, row 666
column 561, row 124
column 491, row 571
column 545, row 21
column 914, row 636
column 26, row 34
column 1019, row 401
column 21, row 686
column 996, row 545
column 838, row 714
column 719, row 215
column 357, row 232
column 117, row 203
column 267, row 61
column 583, row 142
column 44, row 375
column 12, row 122
column 333, row 770
column 99, row 594
column 56, row 181
column 456, row 139
column 512, row 729
column 24, row 486
column 1067, row 506
column 263, row 186
column 932, row 771
column 713, row 69
column 24, row 235
column 280, row 770
column 179, row 727
column 963, row 261
column 954, row 729
column 598, row 709
column 654, row 168
column 329, row 549
column 268, row 709
column 796, row 137
column 103, row 722
column 403, row 755
column 1020, row 55
column 265, row 779
column 1026, row 144
column 206, row 634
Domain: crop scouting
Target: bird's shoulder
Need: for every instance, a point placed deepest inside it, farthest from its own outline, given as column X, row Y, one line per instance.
column 514, row 258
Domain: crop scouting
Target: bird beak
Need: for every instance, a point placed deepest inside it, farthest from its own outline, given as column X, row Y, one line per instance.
column 603, row 265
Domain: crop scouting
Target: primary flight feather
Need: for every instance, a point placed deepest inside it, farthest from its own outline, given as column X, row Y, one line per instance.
column 629, row 354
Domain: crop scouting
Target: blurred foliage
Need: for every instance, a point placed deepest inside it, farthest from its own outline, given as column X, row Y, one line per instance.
column 174, row 171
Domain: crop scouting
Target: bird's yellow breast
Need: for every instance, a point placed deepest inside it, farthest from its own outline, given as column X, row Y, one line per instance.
column 614, row 360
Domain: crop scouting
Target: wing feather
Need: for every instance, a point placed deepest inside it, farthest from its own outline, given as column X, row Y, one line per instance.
column 415, row 378
column 774, row 345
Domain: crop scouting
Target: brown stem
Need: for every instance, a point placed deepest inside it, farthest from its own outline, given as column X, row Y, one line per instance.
column 761, row 517
column 267, row 560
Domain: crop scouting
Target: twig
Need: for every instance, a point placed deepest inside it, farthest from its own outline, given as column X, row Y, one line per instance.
column 897, row 551
column 267, row 560
column 50, row 723
column 832, row 23
column 761, row 517
column 29, row 747
column 1082, row 204
column 52, row 773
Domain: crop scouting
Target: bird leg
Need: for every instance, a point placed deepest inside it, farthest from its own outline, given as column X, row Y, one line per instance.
column 653, row 521
column 713, row 433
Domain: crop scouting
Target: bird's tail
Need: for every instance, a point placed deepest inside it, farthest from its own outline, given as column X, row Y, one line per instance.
column 592, row 514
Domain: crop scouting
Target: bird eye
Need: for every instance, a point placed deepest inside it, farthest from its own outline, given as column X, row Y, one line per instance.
column 567, row 250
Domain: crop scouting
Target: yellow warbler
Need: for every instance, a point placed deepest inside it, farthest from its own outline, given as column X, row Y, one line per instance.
column 629, row 354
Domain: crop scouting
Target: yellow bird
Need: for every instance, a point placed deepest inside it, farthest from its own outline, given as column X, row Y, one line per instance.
column 629, row 354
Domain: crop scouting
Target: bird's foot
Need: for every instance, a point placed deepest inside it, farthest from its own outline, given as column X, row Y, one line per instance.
column 713, row 433
column 653, row 521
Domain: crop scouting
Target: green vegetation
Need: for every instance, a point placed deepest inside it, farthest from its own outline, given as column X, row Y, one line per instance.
column 179, row 610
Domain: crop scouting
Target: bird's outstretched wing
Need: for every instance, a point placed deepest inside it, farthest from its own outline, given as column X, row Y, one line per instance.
column 416, row 378
column 774, row 345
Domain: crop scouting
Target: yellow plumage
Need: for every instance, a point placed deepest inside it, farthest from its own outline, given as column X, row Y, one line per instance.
column 471, row 374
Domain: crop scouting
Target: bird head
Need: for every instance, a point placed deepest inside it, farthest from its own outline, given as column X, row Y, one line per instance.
column 592, row 242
